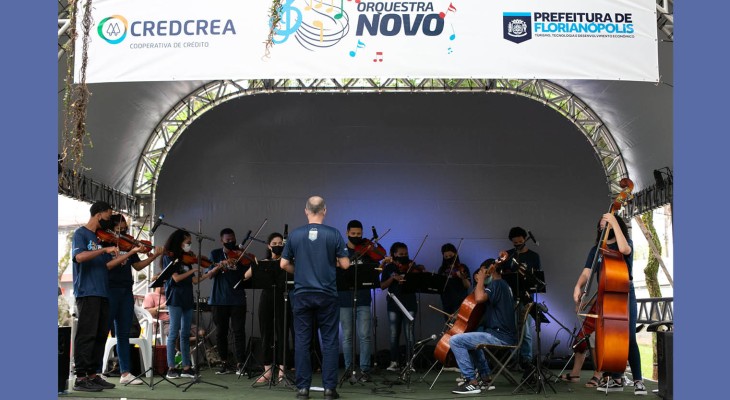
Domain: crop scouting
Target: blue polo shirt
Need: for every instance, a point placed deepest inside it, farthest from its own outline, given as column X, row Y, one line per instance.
column 223, row 293
column 90, row 278
column 314, row 250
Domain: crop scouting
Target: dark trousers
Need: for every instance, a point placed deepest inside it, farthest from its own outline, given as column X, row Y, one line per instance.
column 92, row 330
column 237, row 317
column 271, row 323
column 325, row 310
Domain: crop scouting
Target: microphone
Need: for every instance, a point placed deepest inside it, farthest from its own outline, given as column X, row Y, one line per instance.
column 248, row 236
column 552, row 348
column 426, row 340
column 531, row 236
column 375, row 233
column 157, row 224
column 286, row 232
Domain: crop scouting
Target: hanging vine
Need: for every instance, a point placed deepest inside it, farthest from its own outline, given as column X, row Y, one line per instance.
column 76, row 98
column 274, row 21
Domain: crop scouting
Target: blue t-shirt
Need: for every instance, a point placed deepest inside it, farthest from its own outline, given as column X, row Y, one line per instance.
column 614, row 246
column 223, row 293
column 499, row 311
column 408, row 299
column 314, row 250
column 90, row 278
column 179, row 294
column 121, row 275
column 363, row 295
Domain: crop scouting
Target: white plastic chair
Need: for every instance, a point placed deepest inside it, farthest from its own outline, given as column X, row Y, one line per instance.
column 144, row 342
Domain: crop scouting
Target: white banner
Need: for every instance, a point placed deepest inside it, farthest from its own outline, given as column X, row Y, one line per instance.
column 165, row 40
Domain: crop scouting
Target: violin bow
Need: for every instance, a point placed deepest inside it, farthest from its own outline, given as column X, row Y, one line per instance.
column 143, row 222
column 453, row 262
column 243, row 252
column 413, row 261
column 375, row 240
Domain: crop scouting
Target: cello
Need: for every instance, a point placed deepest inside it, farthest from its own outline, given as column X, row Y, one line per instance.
column 466, row 319
column 611, row 307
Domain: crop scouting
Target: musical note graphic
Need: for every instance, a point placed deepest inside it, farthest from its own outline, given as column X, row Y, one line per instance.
column 378, row 56
column 290, row 22
column 451, row 8
column 318, row 6
column 342, row 5
column 360, row 45
column 450, row 50
column 319, row 24
column 331, row 7
column 453, row 33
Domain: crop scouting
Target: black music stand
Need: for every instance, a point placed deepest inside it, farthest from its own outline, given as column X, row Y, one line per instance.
column 424, row 282
column 159, row 282
column 535, row 283
column 362, row 276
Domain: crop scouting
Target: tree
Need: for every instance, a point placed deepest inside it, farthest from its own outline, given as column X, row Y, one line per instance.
column 651, row 275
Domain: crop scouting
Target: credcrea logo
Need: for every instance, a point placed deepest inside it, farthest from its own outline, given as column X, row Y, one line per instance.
column 113, row 29
column 517, row 26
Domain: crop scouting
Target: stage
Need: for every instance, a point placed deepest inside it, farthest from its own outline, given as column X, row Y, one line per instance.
column 385, row 384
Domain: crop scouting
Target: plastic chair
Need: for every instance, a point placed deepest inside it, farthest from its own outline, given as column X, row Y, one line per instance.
column 493, row 351
column 144, row 342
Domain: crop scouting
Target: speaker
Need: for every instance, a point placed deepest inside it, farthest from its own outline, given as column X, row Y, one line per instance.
column 664, row 351
column 64, row 356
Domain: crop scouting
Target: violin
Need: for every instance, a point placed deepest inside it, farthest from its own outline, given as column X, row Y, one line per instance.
column 410, row 267
column 371, row 249
column 241, row 257
column 124, row 241
column 191, row 258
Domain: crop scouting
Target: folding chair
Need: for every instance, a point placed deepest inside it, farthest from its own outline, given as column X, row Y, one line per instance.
column 501, row 355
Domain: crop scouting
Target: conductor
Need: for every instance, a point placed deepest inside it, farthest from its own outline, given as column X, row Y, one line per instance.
column 312, row 253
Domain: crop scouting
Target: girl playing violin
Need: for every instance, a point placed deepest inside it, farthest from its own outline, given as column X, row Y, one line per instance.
column 392, row 278
column 180, row 302
column 458, row 283
column 121, row 298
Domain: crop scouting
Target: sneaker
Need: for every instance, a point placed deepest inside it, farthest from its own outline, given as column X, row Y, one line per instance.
column 393, row 366
column 365, row 377
column 173, row 373
column 86, row 385
column 102, row 382
column 611, row 386
column 467, row 388
column 639, row 388
column 486, row 383
column 239, row 369
column 460, row 379
column 129, row 379
column 187, row 373
column 224, row 369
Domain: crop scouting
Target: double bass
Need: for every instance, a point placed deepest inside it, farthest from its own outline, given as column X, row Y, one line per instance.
column 611, row 308
column 466, row 319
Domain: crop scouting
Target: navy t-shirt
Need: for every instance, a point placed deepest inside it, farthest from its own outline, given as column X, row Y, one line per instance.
column 363, row 295
column 408, row 299
column 121, row 275
column 223, row 293
column 314, row 250
column 499, row 312
column 455, row 292
column 614, row 246
column 179, row 294
column 90, row 278
column 529, row 258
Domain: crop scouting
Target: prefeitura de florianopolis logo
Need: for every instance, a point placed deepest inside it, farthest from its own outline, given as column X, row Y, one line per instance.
column 517, row 26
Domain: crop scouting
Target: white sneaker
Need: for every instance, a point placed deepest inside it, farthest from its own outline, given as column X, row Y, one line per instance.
column 393, row 366
column 129, row 379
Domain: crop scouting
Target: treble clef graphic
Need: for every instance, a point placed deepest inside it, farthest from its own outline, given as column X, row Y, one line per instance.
column 285, row 15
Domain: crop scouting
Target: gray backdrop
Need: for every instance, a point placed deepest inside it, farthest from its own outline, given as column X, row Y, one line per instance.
column 449, row 166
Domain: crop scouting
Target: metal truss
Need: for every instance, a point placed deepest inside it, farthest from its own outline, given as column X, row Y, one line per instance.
column 665, row 17
column 64, row 23
column 167, row 132
column 79, row 187
column 649, row 198
column 655, row 309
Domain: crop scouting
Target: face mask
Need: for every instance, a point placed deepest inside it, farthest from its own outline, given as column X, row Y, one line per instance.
column 186, row 247
column 355, row 240
column 488, row 280
column 230, row 245
column 519, row 246
column 402, row 260
column 277, row 250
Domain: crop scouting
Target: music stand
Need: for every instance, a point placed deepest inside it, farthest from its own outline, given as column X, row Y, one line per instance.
column 363, row 276
column 159, row 282
column 424, row 282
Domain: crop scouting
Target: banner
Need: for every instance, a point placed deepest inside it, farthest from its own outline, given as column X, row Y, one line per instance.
column 167, row 40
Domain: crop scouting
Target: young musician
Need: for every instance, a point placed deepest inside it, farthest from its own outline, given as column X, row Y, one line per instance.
column 121, row 298
column 228, row 304
column 458, row 284
column 500, row 330
column 180, row 301
column 392, row 278
column 618, row 240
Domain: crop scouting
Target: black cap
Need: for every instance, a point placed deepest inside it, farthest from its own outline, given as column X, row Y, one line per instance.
column 99, row 207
